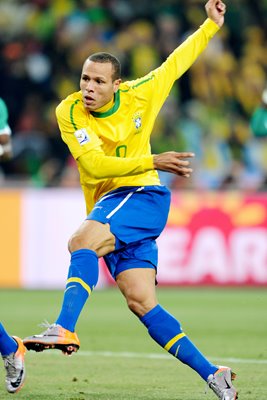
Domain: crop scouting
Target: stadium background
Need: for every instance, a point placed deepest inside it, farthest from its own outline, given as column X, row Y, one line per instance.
column 219, row 215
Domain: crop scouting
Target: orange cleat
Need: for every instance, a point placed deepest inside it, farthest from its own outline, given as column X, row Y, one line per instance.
column 54, row 337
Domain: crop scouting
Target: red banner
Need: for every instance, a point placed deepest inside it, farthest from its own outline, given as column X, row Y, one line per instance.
column 215, row 238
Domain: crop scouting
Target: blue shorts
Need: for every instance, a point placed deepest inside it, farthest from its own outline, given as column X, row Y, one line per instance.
column 136, row 215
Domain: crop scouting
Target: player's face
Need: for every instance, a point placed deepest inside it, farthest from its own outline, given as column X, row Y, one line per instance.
column 97, row 85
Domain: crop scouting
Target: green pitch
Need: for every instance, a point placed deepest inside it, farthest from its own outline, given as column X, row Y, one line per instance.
column 119, row 361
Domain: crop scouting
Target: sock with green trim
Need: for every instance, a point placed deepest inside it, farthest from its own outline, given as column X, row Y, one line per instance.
column 8, row 345
column 167, row 332
column 82, row 278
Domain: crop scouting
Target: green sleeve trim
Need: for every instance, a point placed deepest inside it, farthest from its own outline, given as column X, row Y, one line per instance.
column 71, row 114
column 139, row 83
column 143, row 81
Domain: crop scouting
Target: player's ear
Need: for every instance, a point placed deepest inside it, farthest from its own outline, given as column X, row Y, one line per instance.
column 116, row 85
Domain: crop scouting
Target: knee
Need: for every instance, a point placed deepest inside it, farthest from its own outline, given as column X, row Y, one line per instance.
column 138, row 307
column 134, row 306
column 76, row 242
column 98, row 242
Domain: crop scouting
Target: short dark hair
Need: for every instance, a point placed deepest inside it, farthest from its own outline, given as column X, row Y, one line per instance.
column 108, row 58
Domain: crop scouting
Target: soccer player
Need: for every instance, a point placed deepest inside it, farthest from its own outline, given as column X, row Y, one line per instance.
column 107, row 127
column 5, row 133
column 12, row 351
column 258, row 123
column 11, row 348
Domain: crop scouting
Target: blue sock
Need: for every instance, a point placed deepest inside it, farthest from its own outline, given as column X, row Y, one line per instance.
column 82, row 278
column 7, row 343
column 167, row 332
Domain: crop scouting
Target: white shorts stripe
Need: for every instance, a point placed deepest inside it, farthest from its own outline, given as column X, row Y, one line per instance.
column 123, row 202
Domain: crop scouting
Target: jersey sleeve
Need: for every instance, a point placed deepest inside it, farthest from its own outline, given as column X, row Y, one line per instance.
column 74, row 129
column 99, row 166
column 158, row 83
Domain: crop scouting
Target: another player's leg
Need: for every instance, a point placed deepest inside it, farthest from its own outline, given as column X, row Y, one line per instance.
column 12, row 351
column 82, row 278
column 138, row 287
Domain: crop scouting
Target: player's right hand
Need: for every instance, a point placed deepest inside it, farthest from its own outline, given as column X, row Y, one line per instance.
column 174, row 162
column 215, row 10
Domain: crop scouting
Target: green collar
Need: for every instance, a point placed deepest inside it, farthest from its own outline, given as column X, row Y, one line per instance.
column 111, row 111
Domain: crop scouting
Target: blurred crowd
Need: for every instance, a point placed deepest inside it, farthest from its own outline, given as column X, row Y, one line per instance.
column 43, row 44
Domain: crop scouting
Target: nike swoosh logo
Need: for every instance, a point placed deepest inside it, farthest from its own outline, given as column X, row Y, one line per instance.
column 176, row 353
column 18, row 381
column 69, row 287
column 227, row 384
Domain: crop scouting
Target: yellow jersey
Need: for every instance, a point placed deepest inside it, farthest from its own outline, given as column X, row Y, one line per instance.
column 116, row 140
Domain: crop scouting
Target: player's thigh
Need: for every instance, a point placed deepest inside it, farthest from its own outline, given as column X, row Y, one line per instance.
column 93, row 235
column 138, row 287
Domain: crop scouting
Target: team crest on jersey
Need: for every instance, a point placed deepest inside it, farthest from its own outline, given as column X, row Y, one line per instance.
column 82, row 136
column 137, row 121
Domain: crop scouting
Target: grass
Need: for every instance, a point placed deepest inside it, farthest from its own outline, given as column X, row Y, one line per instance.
column 119, row 361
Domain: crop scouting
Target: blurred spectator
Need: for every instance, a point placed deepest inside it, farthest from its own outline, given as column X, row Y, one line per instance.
column 5, row 133
column 5, row 139
column 258, row 121
column 258, row 148
column 44, row 42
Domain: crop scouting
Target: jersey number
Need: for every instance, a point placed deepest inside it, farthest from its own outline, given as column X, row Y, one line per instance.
column 121, row 151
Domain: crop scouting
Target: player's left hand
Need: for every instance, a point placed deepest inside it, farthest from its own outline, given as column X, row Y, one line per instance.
column 174, row 162
column 215, row 10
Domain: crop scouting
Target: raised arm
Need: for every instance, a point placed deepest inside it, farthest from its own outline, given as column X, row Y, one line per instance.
column 215, row 10
column 160, row 81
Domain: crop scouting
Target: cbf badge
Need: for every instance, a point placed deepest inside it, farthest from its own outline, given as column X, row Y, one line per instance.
column 82, row 136
column 137, row 122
